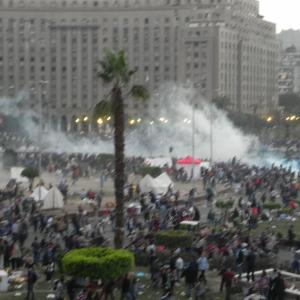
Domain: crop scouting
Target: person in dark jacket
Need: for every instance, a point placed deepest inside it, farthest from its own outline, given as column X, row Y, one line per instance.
column 31, row 280
column 125, row 287
column 71, row 288
column 250, row 264
column 277, row 288
column 190, row 274
column 227, row 279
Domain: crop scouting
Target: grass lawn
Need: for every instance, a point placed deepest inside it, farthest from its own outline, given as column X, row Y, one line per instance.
column 278, row 226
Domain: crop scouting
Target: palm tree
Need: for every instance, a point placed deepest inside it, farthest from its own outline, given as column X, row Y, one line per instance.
column 116, row 73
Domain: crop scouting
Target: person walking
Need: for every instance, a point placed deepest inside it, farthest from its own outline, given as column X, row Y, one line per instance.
column 239, row 260
column 2, row 251
column 15, row 256
column 250, row 264
column 49, row 270
column 126, row 294
column 190, row 274
column 71, row 288
column 31, row 280
column 59, row 289
column 179, row 264
column 278, row 288
column 227, row 278
column 36, row 251
column 203, row 267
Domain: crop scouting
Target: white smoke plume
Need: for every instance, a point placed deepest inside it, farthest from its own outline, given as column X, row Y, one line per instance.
column 178, row 103
column 151, row 137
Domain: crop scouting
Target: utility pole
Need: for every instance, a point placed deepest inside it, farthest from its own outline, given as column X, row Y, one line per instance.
column 40, row 95
column 211, row 141
column 193, row 139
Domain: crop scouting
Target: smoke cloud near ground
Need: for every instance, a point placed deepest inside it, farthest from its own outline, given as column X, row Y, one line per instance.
column 179, row 102
column 151, row 137
column 169, row 128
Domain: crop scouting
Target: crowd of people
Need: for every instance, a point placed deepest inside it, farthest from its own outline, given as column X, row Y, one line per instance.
column 35, row 240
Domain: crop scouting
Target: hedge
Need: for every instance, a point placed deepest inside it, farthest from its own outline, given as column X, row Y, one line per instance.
column 148, row 170
column 285, row 210
column 98, row 263
column 224, row 204
column 174, row 239
column 272, row 205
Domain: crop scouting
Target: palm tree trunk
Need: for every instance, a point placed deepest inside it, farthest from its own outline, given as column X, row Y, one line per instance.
column 119, row 164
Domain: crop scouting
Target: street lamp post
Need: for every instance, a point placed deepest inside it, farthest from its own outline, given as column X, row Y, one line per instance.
column 193, row 140
column 197, row 86
column 40, row 129
column 211, row 141
column 40, row 95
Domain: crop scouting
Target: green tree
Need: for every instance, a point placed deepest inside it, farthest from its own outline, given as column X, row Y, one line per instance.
column 30, row 173
column 290, row 103
column 116, row 73
column 174, row 239
column 222, row 102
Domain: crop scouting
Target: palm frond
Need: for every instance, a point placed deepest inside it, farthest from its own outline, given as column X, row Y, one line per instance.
column 140, row 92
column 121, row 65
column 108, row 66
column 107, row 77
column 103, row 108
column 127, row 77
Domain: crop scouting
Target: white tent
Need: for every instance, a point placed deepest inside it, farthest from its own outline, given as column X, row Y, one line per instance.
column 15, row 173
column 147, row 184
column 159, row 161
column 54, row 199
column 162, row 183
column 159, row 185
column 39, row 193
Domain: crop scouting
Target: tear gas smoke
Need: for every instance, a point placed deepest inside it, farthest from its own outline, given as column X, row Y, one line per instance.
column 170, row 127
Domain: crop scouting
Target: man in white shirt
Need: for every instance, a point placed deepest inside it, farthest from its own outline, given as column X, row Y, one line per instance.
column 179, row 264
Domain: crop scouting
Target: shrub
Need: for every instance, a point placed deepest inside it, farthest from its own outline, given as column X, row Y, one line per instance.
column 98, row 263
column 105, row 158
column 285, row 210
column 174, row 239
column 30, row 173
column 147, row 170
column 224, row 204
column 272, row 205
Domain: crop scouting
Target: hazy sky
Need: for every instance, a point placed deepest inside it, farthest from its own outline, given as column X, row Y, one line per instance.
column 285, row 13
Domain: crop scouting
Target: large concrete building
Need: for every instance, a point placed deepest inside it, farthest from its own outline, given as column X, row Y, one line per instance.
column 222, row 47
column 289, row 71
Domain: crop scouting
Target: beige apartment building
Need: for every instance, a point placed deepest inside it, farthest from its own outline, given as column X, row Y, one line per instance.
column 222, row 47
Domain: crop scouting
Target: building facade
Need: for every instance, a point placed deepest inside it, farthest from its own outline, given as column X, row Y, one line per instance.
column 289, row 71
column 222, row 47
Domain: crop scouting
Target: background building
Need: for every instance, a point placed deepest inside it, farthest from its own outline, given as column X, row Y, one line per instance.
column 222, row 47
column 289, row 38
column 289, row 71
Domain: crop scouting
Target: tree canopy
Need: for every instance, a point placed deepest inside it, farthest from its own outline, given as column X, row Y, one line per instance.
column 221, row 102
column 30, row 173
column 174, row 239
column 290, row 103
column 115, row 71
